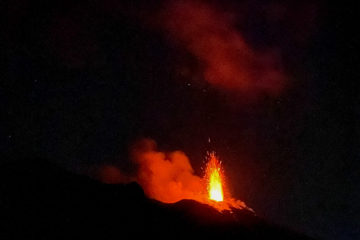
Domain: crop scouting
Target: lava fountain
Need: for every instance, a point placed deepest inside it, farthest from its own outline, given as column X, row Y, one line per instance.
column 214, row 178
column 217, row 194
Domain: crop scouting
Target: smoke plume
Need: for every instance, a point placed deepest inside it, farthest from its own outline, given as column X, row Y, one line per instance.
column 227, row 60
column 112, row 175
column 167, row 177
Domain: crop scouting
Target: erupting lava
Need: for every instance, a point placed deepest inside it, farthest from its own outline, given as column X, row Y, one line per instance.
column 213, row 175
column 169, row 177
column 217, row 195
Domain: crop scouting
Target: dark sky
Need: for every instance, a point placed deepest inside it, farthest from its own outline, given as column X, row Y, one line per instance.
column 83, row 80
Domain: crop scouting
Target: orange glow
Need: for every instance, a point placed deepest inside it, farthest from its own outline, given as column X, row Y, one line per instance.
column 213, row 175
column 169, row 177
column 228, row 61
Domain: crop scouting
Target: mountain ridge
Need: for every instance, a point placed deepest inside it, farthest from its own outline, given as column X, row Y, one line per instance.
column 39, row 200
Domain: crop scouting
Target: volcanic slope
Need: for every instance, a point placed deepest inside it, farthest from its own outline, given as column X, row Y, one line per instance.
column 39, row 200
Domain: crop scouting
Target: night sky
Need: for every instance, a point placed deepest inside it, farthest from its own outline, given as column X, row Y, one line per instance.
column 84, row 80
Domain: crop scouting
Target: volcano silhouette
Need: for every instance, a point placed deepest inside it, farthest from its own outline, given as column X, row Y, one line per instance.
column 38, row 200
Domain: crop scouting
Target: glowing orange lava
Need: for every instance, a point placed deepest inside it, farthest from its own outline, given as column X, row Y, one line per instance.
column 213, row 176
column 217, row 191
column 169, row 178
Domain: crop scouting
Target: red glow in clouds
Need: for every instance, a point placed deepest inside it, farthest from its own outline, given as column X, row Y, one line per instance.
column 227, row 60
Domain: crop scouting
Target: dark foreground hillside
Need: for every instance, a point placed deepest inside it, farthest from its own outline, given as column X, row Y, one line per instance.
column 41, row 201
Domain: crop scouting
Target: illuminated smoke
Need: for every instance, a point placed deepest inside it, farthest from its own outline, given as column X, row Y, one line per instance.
column 167, row 177
column 112, row 175
column 227, row 60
